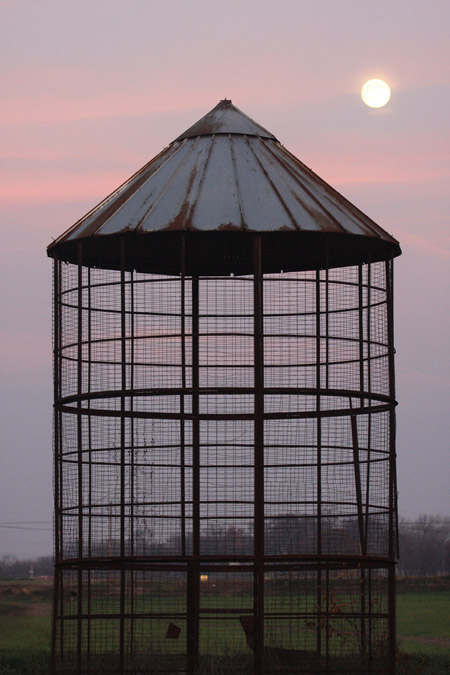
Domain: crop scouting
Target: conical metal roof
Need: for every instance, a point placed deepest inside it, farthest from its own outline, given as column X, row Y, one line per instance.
column 225, row 118
column 226, row 174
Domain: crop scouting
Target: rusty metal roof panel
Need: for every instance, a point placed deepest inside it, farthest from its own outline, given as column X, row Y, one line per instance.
column 133, row 211
column 225, row 118
column 305, row 210
column 225, row 173
column 161, row 204
column 326, row 201
column 218, row 202
column 173, row 209
column 262, row 206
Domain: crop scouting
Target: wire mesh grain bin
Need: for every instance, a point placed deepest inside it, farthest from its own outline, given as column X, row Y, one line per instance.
column 225, row 487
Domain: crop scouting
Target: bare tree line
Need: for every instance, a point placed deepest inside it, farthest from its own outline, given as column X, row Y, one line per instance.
column 424, row 547
column 12, row 568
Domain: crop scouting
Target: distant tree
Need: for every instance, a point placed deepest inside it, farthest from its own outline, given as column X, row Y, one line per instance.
column 227, row 541
column 7, row 565
column 424, row 543
column 423, row 547
column 290, row 533
column 43, row 566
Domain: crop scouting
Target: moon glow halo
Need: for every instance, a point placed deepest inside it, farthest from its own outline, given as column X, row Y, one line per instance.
column 375, row 93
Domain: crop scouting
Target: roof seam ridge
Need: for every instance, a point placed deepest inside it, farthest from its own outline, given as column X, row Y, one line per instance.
column 293, row 175
column 369, row 223
column 314, row 199
column 275, row 189
column 189, row 215
column 168, row 184
column 140, row 186
column 106, row 200
column 236, row 180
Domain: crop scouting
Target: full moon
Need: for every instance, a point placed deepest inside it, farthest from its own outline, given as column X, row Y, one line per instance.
column 375, row 93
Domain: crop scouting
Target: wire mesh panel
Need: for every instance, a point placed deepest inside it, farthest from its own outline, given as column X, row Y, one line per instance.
column 224, row 475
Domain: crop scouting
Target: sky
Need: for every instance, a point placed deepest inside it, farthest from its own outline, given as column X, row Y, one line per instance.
column 93, row 89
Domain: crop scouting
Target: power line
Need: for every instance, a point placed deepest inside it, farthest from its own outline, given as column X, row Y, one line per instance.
column 25, row 522
column 419, row 523
column 21, row 527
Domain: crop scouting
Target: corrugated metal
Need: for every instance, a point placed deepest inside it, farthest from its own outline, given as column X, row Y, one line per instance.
column 225, row 118
column 224, row 173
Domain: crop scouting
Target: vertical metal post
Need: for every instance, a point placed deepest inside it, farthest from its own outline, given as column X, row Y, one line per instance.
column 369, row 400
column 183, row 388
column 392, row 429
column 60, row 470
column 259, row 453
column 57, row 452
column 122, row 451
column 131, row 552
column 319, row 465
column 327, row 325
column 89, row 426
column 193, row 593
column 363, row 523
column 80, row 456
column 362, row 381
column 393, row 549
column 361, row 331
column 357, row 474
column 369, row 455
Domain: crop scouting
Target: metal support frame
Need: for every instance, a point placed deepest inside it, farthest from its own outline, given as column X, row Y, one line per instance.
column 258, row 355
column 193, row 576
column 240, row 442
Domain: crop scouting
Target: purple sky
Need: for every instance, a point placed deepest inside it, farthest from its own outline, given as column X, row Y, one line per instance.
column 92, row 90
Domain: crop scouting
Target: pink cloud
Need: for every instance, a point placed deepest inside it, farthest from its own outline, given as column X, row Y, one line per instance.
column 422, row 245
column 380, row 174
column 57, row 187
column 24, row 351
column 51, row 94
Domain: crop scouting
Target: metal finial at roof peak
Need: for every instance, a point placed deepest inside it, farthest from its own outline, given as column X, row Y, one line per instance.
column 225, row 118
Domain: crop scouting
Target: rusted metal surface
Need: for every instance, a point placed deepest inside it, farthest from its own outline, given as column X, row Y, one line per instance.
column 224, row 435
column 280, row 412
column 226, row 173
column 225, row 118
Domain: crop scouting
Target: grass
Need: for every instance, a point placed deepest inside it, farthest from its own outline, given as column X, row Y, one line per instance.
column 424, row 614
column 422, row 664
column 24, row 627
column 423, row 626
column 25, row 632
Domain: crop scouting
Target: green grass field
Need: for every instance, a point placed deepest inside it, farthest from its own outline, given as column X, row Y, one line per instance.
column 423, row 627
